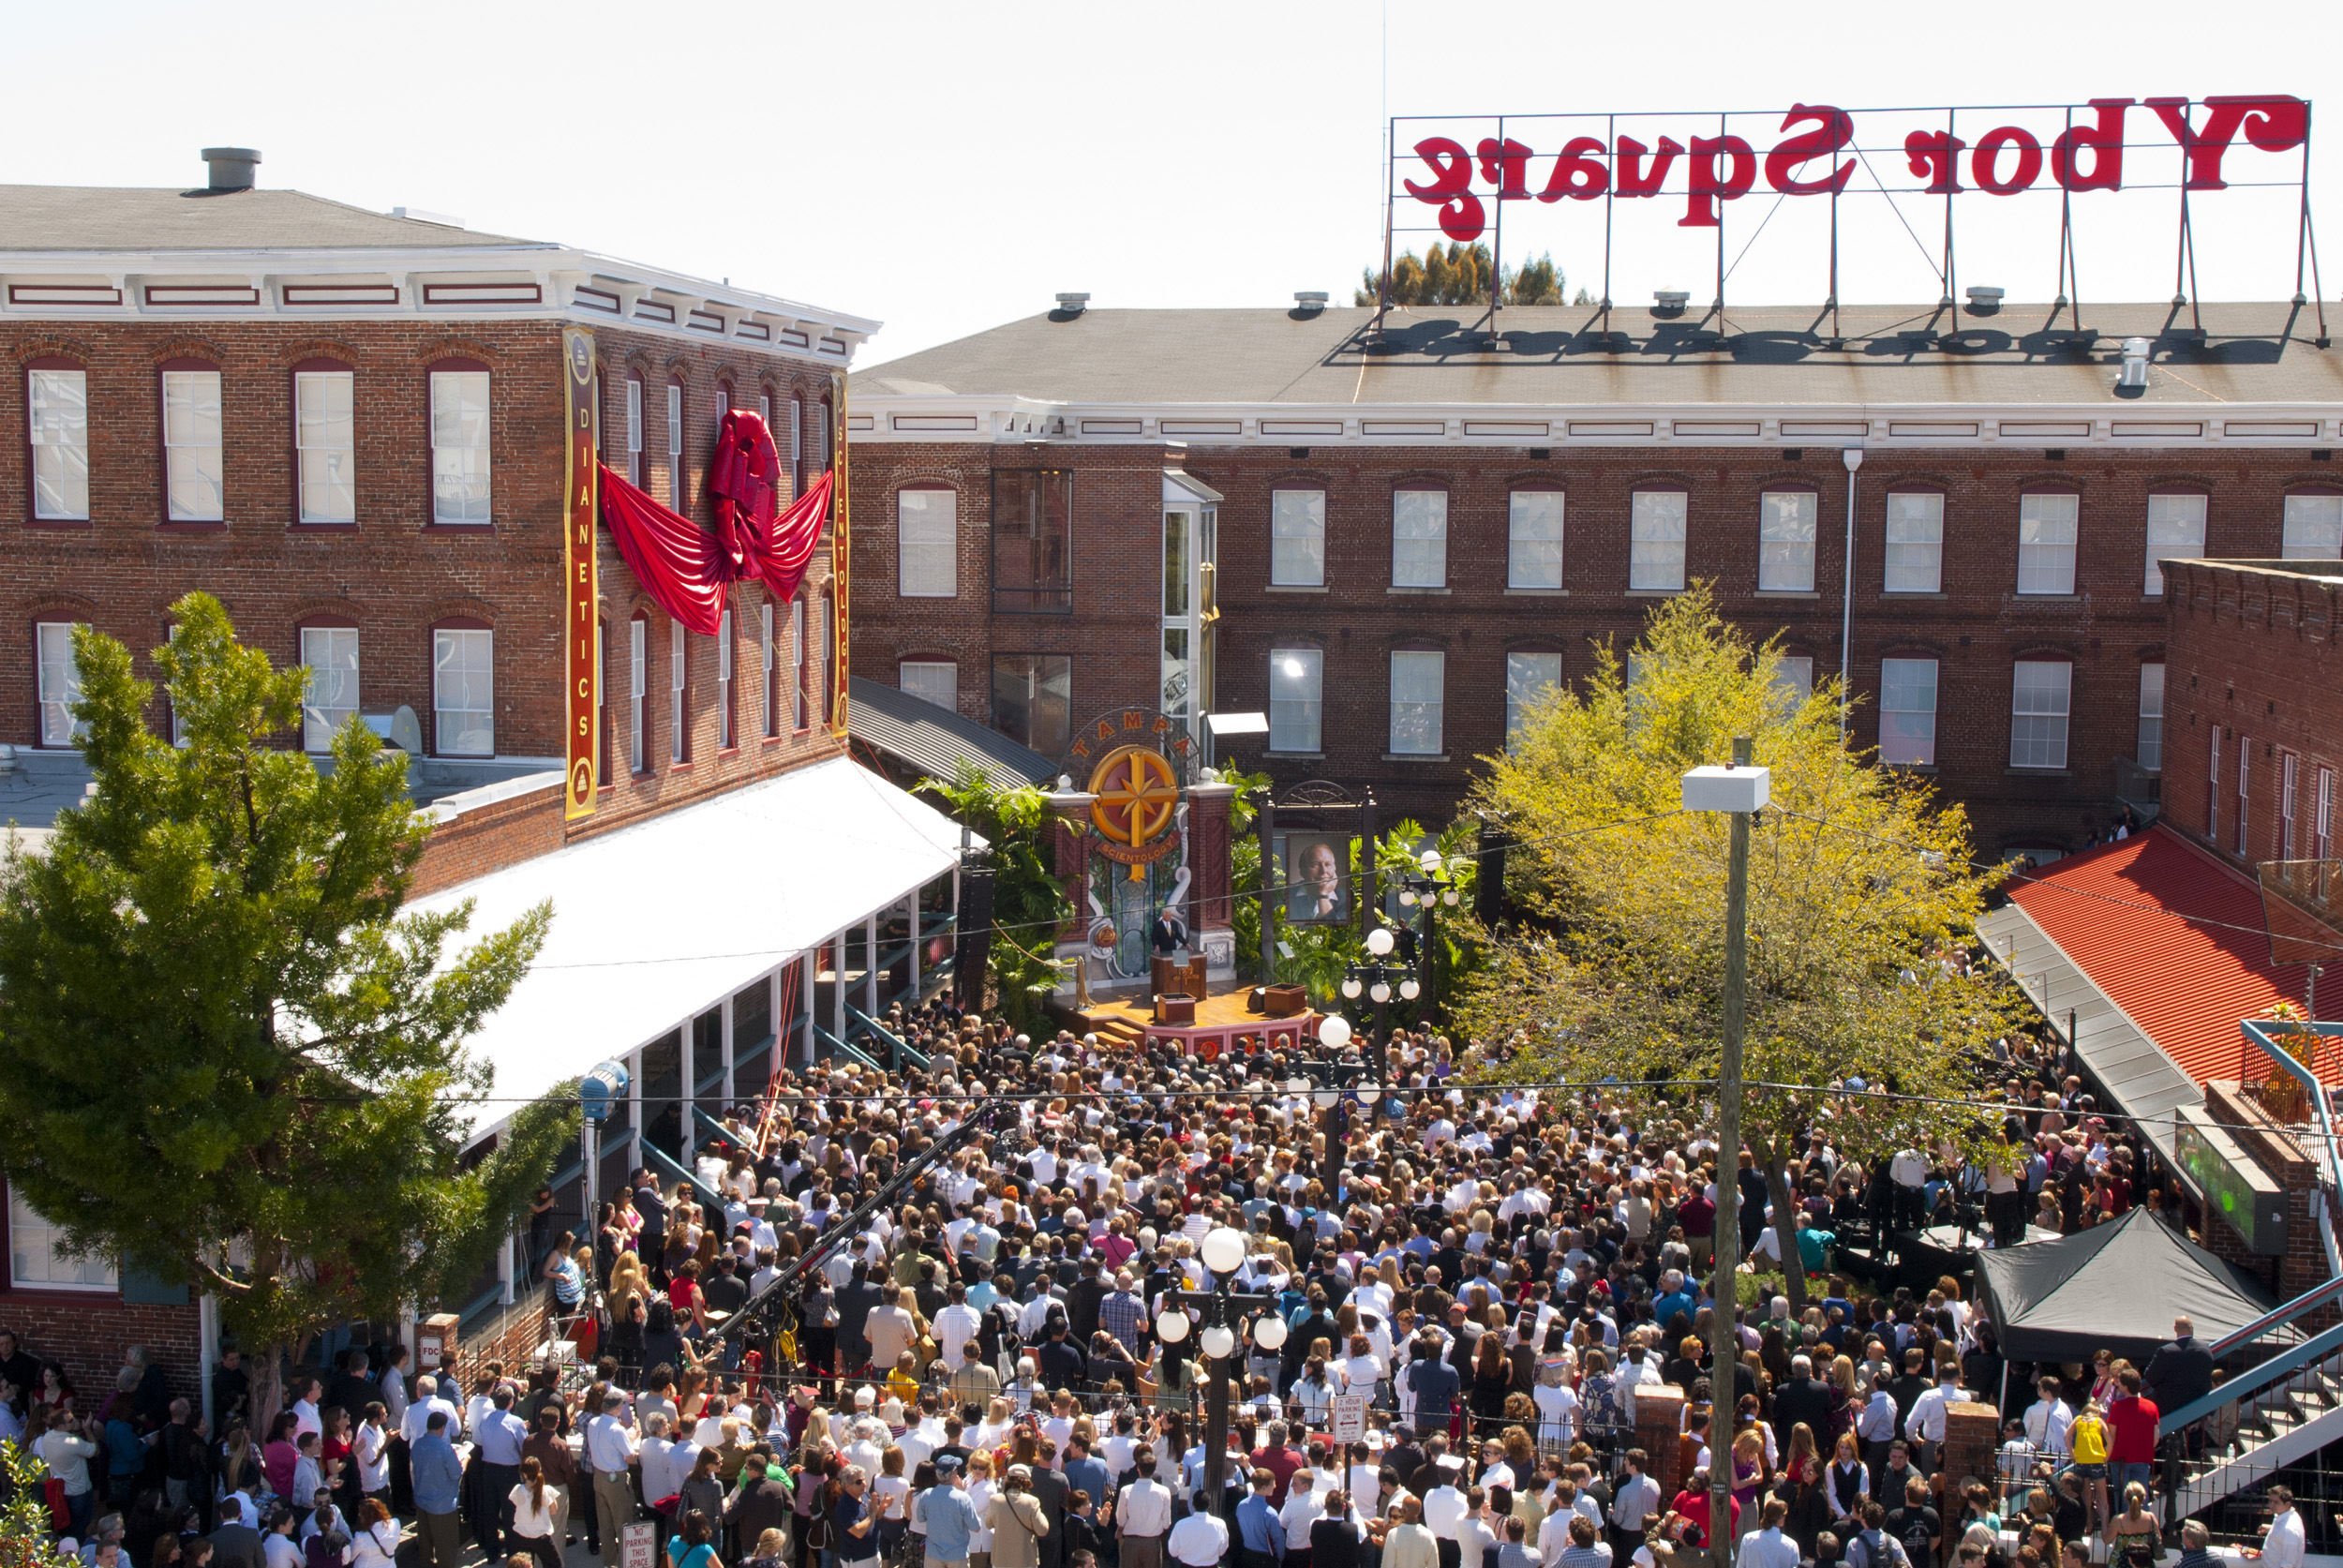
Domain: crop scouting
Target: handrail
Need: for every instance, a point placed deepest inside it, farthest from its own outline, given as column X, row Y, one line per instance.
column 2285, row 1364
column 2276, row 1315
column 2257, row 1033
column 655, row 1156
column 718, row 1128
column 896, row 1048
column 851, row 1053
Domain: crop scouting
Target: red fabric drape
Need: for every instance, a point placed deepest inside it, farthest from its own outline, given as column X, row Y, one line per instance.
column 682, row 566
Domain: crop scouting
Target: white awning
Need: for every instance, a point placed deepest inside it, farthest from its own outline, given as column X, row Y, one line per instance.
column 656, row 922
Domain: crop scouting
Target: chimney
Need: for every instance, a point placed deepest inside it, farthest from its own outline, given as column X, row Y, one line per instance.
column 231, row 167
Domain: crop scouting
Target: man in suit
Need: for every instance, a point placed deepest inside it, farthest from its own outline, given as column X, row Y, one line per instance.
column 2180, row 1373
column 759, row 1505
column 1168, row 935
column 237, row 1545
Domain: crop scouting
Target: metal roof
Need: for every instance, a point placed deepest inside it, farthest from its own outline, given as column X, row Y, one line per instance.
column 1881, row 354
column 108, row 217
column 934, row 739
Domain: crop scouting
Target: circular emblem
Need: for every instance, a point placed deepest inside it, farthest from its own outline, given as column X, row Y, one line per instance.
column 582, row 780
column 581, row 360
column 1137, row 795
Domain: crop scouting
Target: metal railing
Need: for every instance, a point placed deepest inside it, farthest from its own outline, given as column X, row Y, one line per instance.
column 841, row 1048
column 659, row 1160
column 898, row 1052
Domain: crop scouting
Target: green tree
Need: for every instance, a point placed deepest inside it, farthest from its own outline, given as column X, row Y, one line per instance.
column 225, row 1057
column 1536, row 282
column 1859, row 885
column 1455, row 275
column 1028, row 897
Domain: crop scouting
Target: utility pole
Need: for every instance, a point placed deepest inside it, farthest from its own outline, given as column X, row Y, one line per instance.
column 1740, row 790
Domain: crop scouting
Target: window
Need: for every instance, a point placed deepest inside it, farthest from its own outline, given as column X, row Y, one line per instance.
column 2151, row 746
column 325, row 437
column 1419, row 539
column 2039, row 692
column 802, row 669
column 1794, row 677
column 1528, row 677
column 677, row 497
column 1656, row 535
column 1916, row 542
column 2213, row 785
column 635, row 428
column 935, row 681
column 637, row 663
column 1033, row 542
column 459, row 446
column 2322, row 817
column 765, row 406
column 723, row 683
column 1297, row 538
column 927, row 541
column 330, row 654
column 33, row 1258
column 1533, row 549
column 2244, row 789
column 2175, row 533
column 1907, row 712
column 679, row 669
column 1297, row 682
column 60, row 681
column 2288, row 766
column 1785, row 542
column 463, row 691
column 57, row 425
column 192, row 466
column 1416, row 680
column 797, row 451
column 2046, row 542
column 2314, row 527
column 822, row 453
column 1033, row 700
column 770, row 696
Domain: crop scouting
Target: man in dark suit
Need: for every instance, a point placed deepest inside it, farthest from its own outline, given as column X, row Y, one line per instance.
column 2181, row 1373
column 651, row 1245
column 1062, row 1363
column 1803, row 1398
column 1168, row 935
column 237, row 1545
column 760, row 1505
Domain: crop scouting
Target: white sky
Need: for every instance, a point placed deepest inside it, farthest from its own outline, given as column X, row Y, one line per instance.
column 945, row 168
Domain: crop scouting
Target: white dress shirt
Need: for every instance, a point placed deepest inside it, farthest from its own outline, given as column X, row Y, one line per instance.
column 2283, row 1546
column 1144, row 1508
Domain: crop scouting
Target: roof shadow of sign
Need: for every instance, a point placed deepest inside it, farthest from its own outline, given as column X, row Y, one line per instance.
column 1772, row 348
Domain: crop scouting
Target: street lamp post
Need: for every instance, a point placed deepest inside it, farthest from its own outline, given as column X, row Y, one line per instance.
column 1223, row 1311
column 1741, row 791
column 1429, row 886
column 1379, row 978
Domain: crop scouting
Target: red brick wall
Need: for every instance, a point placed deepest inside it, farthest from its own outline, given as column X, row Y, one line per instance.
column 1976, row 629
column 87, row 1333
column 2253, row 652
column 489, row 837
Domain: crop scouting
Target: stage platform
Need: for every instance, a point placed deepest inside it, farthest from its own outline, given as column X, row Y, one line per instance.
column 1222, row 1024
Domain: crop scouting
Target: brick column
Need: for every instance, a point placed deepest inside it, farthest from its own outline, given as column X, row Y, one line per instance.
column 1209, row 915
column 1972, row 1438
column 1070, row 853
column 1659, row 1419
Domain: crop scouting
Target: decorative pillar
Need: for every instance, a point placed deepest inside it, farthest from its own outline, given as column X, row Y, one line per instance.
column 810, row 965
column 1659, row 1416
column 1210, row 916
column 1972, row 1438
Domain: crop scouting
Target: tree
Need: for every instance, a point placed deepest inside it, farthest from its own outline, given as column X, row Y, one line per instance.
column 1535, row 282
column 225, row 1057
column 1460, row 275
column 1028, row 897
column 1859, row 885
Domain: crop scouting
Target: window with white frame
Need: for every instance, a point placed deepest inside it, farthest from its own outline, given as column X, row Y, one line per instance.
column 1794, row 677
column 678, row 499
column 635, row 430
column 193, row 469
column 637, row 688
column 56, row 416
column 36, row 1259
column 2244, row 789
column 1785, row 541
column 800, row 668
column 679, row 733
column 1656, row 540
column 797, row 449
column 60, row 683
column 1907, row 712
column 935, row 681
column 723, row 682
column 330, row 655
column 2213, row 785
column 325, row 437
column 459, row 446
column 1528, row 677
column 463, row 691
column 1417, row 678
column 2322, row 816
column 822, row 442
column 1296, row 698
column 771, row 697
column 2175, row 533
column 2151, row 746
column 2040, row 694
column 927, row 539
column 2314, row 527
column 1916, row 542
column 1533, row 539
column 765, row 408
column 2289, row 766
column 1297, row 538
column 1419, row 539
column 2046, row 523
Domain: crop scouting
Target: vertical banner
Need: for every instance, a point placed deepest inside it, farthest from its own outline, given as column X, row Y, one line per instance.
column 580, row 587
column 840, row 548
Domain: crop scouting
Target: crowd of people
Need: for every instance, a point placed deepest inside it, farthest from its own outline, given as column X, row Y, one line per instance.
column 1450, row 1297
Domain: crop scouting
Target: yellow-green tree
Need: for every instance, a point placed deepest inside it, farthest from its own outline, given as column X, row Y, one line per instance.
column 1861, row 883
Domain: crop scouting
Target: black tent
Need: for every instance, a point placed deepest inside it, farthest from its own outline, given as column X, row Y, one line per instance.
column 2113, row 1287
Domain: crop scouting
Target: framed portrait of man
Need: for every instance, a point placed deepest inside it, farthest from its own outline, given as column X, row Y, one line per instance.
column 1317, row 877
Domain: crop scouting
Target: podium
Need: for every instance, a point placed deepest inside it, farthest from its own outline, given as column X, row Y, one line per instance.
column 1170, row 975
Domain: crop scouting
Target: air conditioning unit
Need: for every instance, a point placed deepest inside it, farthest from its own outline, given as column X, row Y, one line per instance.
column 401, row 729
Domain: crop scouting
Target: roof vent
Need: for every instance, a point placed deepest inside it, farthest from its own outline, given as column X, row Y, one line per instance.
column 1984, row 299
column 1310, row 300
column 2132, row 379
column 425, row 215
column 1669, row 302
column 1072, row 305
column 231, row 167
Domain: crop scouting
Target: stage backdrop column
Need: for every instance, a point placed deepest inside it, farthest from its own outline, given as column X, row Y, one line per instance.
column 1211, row 920
column 1071, row 839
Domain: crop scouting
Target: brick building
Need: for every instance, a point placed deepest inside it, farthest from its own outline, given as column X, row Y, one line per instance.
column 1383, row 544
column 349, row 426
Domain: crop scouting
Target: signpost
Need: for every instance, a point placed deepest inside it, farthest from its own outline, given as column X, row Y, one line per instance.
column 634, row 1544
column 1349, row 1416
